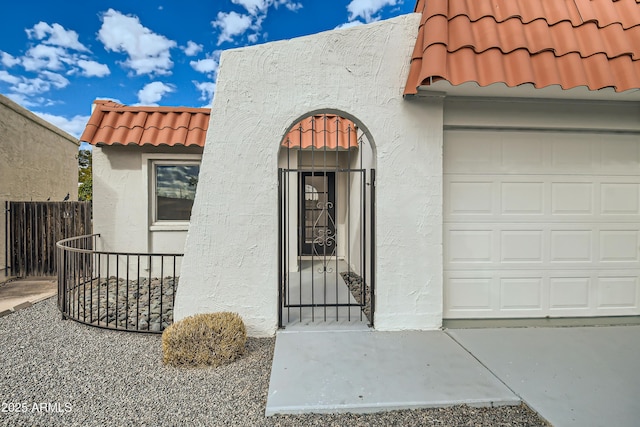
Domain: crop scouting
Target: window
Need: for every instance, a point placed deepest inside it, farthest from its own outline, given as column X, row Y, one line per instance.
column 174, row 185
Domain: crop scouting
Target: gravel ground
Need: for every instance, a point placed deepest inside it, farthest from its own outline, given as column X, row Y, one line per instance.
column 64, row 373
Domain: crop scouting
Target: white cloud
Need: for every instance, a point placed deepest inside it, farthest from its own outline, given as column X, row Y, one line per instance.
column 148, row 52
column 8, row 60
column 192, row 48
column 34, row 86
column 260, row 7
column 43, row 57
column 8, row 78
column 93, row 68
column 367, row 9
column 231, row 24
column 349, row 24
column 56, row 35
column 207, row 66
column 292, row 6
column 153, row 92
column 254, row 7
column 206, row 90
column 49, row 61
column 56, row 79
column 59, row 53
column 50, row 64
column 74, row 126
column 23, row 100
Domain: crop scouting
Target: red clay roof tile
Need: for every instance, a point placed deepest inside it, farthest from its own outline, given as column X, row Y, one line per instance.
column 112, row 123
column 571, row 43
column 322, row 131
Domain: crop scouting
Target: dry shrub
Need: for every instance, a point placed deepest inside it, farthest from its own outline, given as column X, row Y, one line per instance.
column 204, row 339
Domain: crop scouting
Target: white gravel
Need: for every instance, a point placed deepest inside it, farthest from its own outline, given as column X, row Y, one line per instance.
column 62, row 373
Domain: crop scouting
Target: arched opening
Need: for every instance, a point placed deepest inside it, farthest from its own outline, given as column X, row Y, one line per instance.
column 326, row 220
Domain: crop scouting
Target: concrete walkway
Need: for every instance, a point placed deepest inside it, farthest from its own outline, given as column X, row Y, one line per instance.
column 578, row 376
column 581, row 376
column 367, row 371
column 312, row 285
column 23, row 293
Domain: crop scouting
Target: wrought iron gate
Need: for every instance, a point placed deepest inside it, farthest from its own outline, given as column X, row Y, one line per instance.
column 326, row 245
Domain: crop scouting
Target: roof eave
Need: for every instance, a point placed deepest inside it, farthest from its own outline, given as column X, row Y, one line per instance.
column 443, row 88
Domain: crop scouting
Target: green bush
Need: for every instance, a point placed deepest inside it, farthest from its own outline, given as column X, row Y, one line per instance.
column 204, row 339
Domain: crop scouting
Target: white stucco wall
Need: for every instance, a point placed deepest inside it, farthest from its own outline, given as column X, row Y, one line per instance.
column 231, row 254
column 121, row 197
column 38, row 161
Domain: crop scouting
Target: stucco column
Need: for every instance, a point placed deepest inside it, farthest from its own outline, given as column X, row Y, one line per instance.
column 409, row 198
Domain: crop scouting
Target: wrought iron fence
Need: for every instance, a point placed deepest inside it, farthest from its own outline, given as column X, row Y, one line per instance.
column 116, row 290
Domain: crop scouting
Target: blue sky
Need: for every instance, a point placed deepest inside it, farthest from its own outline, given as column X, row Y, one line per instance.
column 56, row 58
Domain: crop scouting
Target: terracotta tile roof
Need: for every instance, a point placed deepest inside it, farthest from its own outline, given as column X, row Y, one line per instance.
column 571, row 43
column 323, row 131
column 112, row 123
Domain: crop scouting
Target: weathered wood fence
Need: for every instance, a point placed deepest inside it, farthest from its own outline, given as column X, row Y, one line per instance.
column 33, row 228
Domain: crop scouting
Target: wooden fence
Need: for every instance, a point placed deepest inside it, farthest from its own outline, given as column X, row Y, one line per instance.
column 35, row 227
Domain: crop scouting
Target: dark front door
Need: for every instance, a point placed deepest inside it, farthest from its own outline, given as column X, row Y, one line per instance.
column 317, row 208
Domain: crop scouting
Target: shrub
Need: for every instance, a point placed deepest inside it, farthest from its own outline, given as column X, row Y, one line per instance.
column 204, row 339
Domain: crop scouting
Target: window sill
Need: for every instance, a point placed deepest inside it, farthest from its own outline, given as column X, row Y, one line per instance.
column 173, row 226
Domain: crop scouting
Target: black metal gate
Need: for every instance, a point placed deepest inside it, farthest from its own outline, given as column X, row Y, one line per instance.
column 32, row 230
column 326, row 245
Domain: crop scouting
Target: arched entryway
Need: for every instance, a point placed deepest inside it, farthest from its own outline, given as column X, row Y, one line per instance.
column 326, row 222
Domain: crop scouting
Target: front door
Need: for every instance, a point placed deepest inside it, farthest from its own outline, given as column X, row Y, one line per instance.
column 317, row 208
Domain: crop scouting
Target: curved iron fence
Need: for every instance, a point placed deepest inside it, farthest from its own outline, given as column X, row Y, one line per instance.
column 116, row 290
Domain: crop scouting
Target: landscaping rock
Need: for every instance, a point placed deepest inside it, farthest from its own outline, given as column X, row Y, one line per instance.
column 356, row 286
column 118, row 304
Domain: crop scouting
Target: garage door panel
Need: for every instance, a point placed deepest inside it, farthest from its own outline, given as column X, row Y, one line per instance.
column 571, row 246
column 470, row 246
column 545, row 224
column 570, row 293
column 521, row 294
column 527, row 198
column 469, row 294
column 522, row 198
column 471, row 197
column 471, row 153
column 521, row 246
column 552, row 246
column 573, row 154
column 527, row 293
column 618, row 292
column 619, row 246
column 620, row 198
column 523, row 154
column 572, row 198
column 621, row 157
column 562, row 153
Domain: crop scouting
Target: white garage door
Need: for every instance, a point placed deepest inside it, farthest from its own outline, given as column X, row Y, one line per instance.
column 541, row 224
